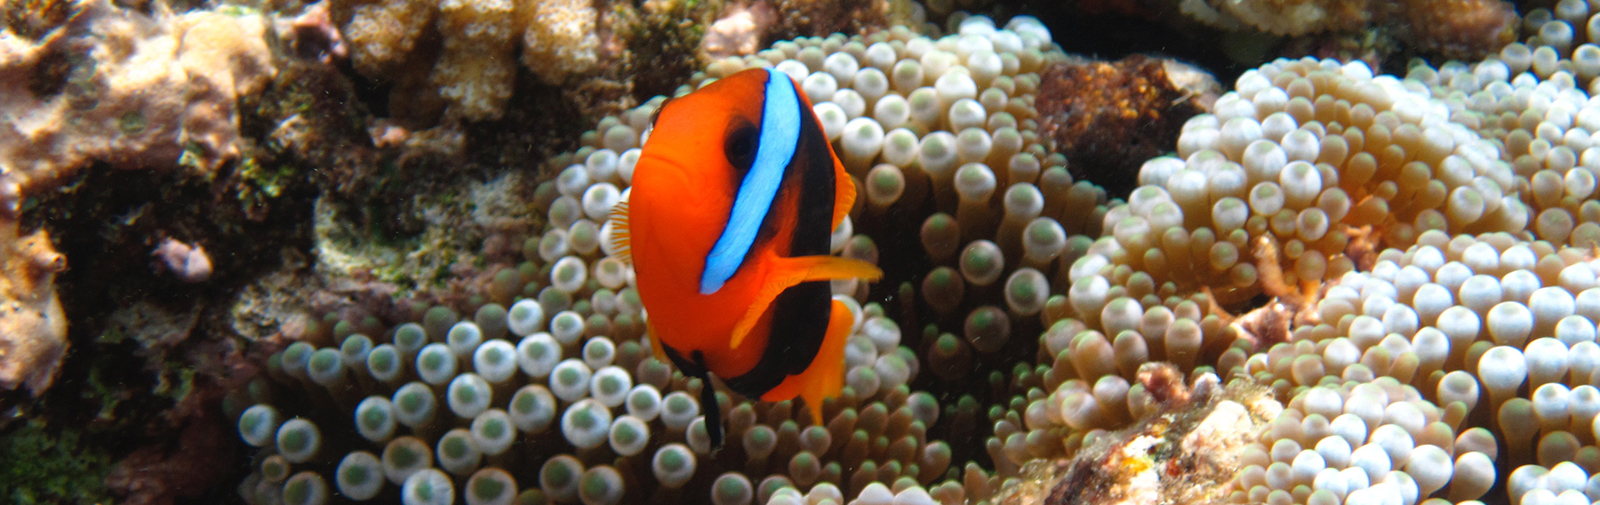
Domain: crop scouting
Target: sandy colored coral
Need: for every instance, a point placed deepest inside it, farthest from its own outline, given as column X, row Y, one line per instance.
column 1282, row 17
column 558, row 37
column 469, row 48
column 738, row 32
column 160, row 85
column 383, row 34
column 1461, row 28
column 33, row 328
column 223, row 57
column 1452, row 28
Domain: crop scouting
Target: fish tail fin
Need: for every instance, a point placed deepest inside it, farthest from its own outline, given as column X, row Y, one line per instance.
column 844, row 197
column 825, row 377
column 786, row 272
column 621, row 246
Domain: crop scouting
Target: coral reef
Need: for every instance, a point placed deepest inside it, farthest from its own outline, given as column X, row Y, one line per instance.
column 574, row 325
column 1328, row 285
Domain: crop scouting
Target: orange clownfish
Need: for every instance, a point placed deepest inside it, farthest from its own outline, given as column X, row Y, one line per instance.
column 734, row 199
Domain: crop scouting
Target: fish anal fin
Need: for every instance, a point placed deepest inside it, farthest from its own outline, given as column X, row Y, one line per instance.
column 825, row 377
column 620, row 244
column 786, row 272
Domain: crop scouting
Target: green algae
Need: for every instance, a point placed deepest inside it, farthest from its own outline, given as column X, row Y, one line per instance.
column 47, row 466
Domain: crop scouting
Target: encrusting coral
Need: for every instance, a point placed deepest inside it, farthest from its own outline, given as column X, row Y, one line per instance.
column 33, row 328
column 152, row 90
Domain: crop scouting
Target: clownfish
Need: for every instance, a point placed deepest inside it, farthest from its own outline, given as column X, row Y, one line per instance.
column 734, row 199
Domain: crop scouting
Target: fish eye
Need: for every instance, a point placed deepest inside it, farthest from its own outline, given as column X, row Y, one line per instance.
column 740, row 145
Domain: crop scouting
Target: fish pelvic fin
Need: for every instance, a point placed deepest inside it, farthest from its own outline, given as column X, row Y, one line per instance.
column 621, row 246
column 825, row 377
column 784, row 273
column 655, row 343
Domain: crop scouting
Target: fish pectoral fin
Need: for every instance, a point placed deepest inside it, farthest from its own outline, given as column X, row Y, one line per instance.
column 620, row 244
column 784, row 273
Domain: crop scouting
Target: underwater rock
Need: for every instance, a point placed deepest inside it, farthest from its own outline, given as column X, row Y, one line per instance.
column 1107, row 116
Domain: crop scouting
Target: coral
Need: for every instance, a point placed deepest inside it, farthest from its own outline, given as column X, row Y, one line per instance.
column 189, row 263
column 33, row 326
column 737, row 32
column 313, row 35
column 1449, row 358
column 467, row 47
column 1451, row 28
column 1184, row 452
column 1460, row 28
column 822, row 17
column 1296, row 17
column 627, row 423
column 153, row 88
column 1403, row 266
column 1106, row 117
column 558, row 37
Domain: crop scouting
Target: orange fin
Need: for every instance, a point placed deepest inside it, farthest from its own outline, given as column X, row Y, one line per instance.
column 655, row 344
column 825, row 377
column 786, row 272
column 620, row 245
column 844, row 196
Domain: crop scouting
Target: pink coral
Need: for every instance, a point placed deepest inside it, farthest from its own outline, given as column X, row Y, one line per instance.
column 189, row 263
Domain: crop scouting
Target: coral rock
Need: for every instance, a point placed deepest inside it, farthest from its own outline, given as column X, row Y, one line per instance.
column 1107, row 116
column 33, row 328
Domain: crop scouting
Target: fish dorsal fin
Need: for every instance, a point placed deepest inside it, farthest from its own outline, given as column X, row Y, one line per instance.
column 621, row 247
column 780, row 134
column 786, row 272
